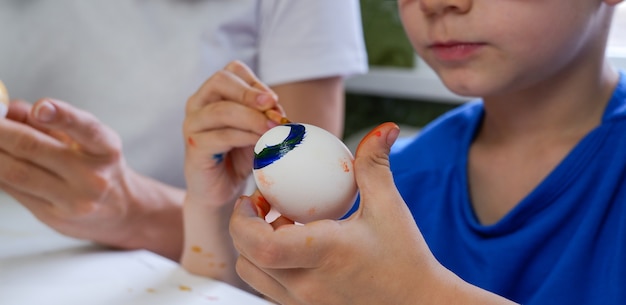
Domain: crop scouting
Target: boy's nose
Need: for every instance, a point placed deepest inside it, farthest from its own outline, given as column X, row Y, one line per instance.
column 439, row 7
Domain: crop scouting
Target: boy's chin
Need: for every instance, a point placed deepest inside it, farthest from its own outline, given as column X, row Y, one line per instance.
column 464, row 88
column 469, row 85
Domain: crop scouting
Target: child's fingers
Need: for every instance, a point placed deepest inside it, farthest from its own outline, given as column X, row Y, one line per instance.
column 238, row 86
column 243, row 72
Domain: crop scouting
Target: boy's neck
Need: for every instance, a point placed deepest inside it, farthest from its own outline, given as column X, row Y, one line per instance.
column 572, row 103
column 528, row 134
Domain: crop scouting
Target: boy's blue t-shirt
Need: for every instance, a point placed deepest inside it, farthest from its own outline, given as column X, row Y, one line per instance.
column 565, row 243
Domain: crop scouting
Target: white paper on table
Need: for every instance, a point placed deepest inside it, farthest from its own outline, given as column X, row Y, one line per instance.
column 39, row 266
column 88, row 275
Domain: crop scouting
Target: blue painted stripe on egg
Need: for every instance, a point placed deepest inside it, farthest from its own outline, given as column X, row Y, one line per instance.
column 271, row 154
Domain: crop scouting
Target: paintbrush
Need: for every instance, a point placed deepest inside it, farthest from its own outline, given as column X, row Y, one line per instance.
column 276, row 116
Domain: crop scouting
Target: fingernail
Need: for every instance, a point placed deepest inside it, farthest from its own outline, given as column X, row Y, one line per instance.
column 45, row 112
column 393, row 136
column 263, row 99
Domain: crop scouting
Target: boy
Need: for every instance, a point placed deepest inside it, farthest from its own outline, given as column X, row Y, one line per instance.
column 518, row 197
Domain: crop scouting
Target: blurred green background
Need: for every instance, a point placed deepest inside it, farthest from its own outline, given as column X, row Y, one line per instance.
column 387, row 46
column 385, row 40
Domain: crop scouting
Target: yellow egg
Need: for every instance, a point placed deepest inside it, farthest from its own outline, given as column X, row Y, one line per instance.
column 305, row 172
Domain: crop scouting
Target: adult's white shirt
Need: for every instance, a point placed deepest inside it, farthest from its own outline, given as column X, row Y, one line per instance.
column 134, row 63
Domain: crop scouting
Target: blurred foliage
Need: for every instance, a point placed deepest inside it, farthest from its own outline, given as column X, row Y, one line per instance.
column 385, row 40
column 387, row 46
column 366, row 111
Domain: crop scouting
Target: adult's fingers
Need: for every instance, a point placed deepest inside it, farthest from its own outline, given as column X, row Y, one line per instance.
column 25, row 143
column 18, row 111
column 26, row 177
column 88, row 133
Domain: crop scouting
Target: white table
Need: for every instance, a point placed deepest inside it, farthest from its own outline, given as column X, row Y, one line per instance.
column 39, row 266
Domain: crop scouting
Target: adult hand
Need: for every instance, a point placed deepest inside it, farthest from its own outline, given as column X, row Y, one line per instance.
column 376, row 256
column 224, row 120
column 67, row 168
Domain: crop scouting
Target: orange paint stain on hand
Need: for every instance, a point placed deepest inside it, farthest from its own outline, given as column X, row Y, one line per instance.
column 309, row 241
column 184, row 288
column 262, row 205
column 377, row 132
column 191, row 142
column 196, row 249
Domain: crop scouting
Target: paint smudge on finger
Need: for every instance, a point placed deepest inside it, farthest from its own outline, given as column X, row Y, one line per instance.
column 219, row 158
column 191, row 142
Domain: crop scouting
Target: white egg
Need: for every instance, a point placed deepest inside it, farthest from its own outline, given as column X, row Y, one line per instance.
column 304, row 172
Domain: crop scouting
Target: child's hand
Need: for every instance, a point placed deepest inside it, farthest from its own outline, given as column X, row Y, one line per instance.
column 377, row 256
column 224, row 119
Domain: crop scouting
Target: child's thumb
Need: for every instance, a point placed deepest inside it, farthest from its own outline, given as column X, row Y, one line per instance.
column 372, row 172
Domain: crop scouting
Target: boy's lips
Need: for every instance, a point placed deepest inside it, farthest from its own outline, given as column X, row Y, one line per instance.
column 454, row 51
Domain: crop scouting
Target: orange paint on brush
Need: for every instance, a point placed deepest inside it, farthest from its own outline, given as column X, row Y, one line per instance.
column 276, row 116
